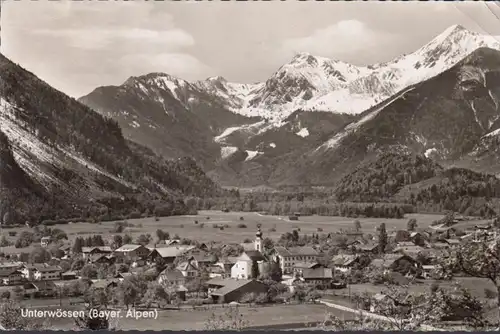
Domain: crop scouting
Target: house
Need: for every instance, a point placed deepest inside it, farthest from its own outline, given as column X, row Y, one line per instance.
column 318, row 276
column 418, row 238
column 69, row 275
column 201, row 258
column 427, row 271
column 226, row 264
column 104, row 284
column 132, row 251
column 168, row 254
column 11, row 276
column 169, row 242
column 232, row 290
column 215, row 271
column 45, row 241
column 344, row 262
column 411, row 250
column 89, row 251
column 390, row 262
column 452, row 242
column 41, row 289
column 101, row 259
column 368, row 249
column 298, row 268
column 288, row 257
column 188, row 269
column 46, row 273
column 243, row 266
column 171, row 277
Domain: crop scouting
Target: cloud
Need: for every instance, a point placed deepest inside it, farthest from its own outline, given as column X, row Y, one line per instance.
column 100, row 38
column 344, row 39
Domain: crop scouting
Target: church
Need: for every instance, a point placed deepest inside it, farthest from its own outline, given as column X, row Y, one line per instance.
column 251, row 262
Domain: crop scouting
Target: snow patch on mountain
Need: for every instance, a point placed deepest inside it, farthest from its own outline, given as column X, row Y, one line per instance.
column 252, row 155
column 227, row 151
column 303, row 133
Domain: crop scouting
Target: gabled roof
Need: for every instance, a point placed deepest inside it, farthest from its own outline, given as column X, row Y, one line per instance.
column 172, row 251
column 41, row 285
column 172, row 274
column 230, row 285
column 103, row 249
column 252, row 256
column 369, row 247
column 128, row 248
column 388, row 259
column 296, row 251
column 186, row 265
column 306, row 265
column 45, row 269
column 344, row 259
column 6, row 272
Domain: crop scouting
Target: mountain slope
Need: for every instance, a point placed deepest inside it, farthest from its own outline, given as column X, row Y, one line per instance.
column 64, row 151
column 167, row 114
column 445, row 116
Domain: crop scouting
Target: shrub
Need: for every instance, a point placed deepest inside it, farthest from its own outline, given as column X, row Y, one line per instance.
column 202, row 225
column 247, row 241
column 272, row 229
column 221, row 228
column 157, row 219
column 196, row 222
column 215, row 226
column 241, row 225
column 320, row 229
column 207, row 218
column 241, row 218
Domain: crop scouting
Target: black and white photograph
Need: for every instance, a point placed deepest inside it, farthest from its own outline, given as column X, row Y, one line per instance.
column 230, row 165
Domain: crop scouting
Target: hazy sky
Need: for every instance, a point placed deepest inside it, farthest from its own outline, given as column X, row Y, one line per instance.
column 76, row 46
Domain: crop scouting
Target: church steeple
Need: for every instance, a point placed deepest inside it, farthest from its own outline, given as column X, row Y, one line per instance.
column 258, row 240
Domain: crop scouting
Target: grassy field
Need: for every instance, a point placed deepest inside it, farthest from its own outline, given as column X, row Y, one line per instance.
column 196, row 319
column 204, row 231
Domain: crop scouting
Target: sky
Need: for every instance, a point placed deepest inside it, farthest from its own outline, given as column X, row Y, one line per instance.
column 76, row 46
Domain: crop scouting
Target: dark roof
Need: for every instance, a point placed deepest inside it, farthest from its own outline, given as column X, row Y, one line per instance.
column 46, row 269
column 6, row 272
column 296, row 251
column 41, row 285
column 253, row 255
column 317, row 273
column 103, row 249
column 388, row 259
column 231, row 285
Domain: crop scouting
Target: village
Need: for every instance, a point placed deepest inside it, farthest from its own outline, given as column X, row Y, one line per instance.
column 172, row 274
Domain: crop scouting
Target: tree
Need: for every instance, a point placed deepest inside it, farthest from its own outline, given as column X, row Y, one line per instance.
column 40, row 255
column 357, row 226
column 127, row 239
column 77, row 245
column 411, row 225
column 89, row 271
column 477, row 259
column 275, row 272
column 117, row 241
column 155, row 294
column 129, row 294
column 11, row 318
column 162, row 235
column 382, row 238
column 255, row 269
column 143, row 239
column 232, row 319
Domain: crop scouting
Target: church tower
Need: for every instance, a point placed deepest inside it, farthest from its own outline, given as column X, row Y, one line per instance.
column 258, row 240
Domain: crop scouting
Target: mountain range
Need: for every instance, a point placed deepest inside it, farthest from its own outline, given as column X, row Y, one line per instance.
column 315, row 118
